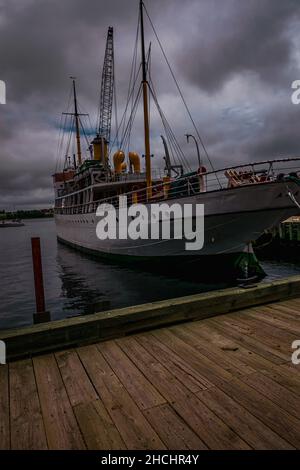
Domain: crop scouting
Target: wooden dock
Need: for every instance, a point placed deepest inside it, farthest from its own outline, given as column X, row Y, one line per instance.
column 220, row 383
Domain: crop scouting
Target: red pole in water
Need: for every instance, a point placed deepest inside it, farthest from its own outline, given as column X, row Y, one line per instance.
column 41, row 315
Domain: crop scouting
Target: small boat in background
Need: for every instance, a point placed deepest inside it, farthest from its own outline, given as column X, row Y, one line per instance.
column 11, row 223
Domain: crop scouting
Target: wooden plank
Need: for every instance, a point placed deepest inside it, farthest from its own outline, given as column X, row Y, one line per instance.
column 230, row 347
column 284, row 377
column 234, row 366
column 276, row 336
column 272, row 317
column 214, row 373
column 275, row 392
column 167, row 384
column 286, row 309
column 60, row 423
column 141, row 390
column 212, row 431
column 292, row 369
column 294, row 303
column 249, row 342
column 172, row 430
column 191, row 378
column 27, row 427
column 250, row 328
column 281, row 422
column 248, row 427
column 77, row 383
column 4, row 409
column 284, row 312
column 134, row 429
column 97, row 427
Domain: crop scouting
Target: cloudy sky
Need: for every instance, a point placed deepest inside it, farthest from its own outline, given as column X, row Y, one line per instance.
column 235, row 61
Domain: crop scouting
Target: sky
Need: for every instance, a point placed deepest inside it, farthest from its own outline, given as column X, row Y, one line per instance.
column 235, row 61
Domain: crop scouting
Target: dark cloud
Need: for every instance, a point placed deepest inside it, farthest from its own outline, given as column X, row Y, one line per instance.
column 234, row 37
column 235, row 61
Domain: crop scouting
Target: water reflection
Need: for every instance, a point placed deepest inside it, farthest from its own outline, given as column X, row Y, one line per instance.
column 75, row 283
column 87, row 281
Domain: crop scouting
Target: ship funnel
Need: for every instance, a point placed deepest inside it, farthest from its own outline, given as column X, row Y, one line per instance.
column 135, row 162
column 100, row 149
column 118, row 159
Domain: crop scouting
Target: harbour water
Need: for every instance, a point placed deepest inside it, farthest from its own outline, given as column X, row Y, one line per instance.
column 75, row 282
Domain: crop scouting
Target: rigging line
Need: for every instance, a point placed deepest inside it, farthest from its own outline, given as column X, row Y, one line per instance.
column 167, row 132
column 62, row 138
column 130, row 120
column 131, row 97
column 148, row 70
column 124, row 114
column 58, row 143
column 136, row 77
column 115, row 102
column 167, row 126
column 172, row 137
column 61, row 129
column 170, row 134
column 148, row 64
column 89, row 123
column 133, row 65
column 133, row 118
column 123, row 120
column 84, row 133
column 180, row 92
column 71, row 132
column 65, row 122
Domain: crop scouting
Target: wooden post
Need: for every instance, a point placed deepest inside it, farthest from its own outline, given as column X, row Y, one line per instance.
column 41, row 315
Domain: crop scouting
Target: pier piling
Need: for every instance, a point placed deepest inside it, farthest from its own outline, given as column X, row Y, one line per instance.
column 41, row 315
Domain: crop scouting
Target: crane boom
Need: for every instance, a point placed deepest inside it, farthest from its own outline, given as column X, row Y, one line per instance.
column 107, row 89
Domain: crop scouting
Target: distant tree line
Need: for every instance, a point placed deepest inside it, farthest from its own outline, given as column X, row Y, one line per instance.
column 26, row 214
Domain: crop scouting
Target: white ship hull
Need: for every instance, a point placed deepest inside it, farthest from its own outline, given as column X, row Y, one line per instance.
column 233, row 218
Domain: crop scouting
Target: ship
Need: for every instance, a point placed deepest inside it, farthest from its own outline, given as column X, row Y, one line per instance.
column 240, row 202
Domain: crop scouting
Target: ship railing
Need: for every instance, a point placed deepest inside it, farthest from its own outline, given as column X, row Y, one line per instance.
column 200, row 182
column 157, row 173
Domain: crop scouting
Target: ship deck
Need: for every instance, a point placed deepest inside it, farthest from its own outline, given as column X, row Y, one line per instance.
column 220, row 383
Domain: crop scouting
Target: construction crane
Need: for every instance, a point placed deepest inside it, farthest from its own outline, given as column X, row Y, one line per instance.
column 103, row 130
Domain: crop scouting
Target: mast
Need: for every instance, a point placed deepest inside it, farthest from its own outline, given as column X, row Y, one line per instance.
column 77, row 124
column 146, row 110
